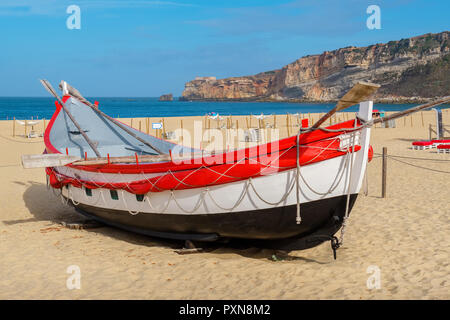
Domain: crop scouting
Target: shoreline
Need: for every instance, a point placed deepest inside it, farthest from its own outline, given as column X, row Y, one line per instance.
column 375, row 101
column 146, row 107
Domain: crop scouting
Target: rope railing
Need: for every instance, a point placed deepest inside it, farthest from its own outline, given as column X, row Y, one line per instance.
column 416, row 166
column 412, row 158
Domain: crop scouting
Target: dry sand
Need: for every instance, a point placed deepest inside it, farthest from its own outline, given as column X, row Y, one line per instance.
column 406, row 235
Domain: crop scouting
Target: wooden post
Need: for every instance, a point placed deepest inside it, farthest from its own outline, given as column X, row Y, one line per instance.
column 140, row 125
column 274, row 120
column 164, row 127
column 131, row 123
column 384, row 173
column 14, row 126
column 181, row 130
column 246, row 120
column 287, row 124
column 147, row 126
column 404, row 122
column 411, row 116
column 209, row 131
column 26, row 124
column 423, row 124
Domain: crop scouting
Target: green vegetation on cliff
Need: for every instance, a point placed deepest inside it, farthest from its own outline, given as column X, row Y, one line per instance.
column 428, row 80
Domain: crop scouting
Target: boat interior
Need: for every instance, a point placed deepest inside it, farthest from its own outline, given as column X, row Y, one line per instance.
column 109, row 138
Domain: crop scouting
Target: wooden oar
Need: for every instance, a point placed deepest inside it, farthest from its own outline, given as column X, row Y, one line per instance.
column 360, row 92
column 412, row 110
column 75, row 93
column 47, row 160
column 59, row 159
column 52, row 91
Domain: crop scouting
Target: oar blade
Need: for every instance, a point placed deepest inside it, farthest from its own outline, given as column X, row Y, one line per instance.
column 30, row 161
column 359, row 93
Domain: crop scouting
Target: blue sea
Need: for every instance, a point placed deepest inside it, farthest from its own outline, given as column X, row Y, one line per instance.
column 27, row 108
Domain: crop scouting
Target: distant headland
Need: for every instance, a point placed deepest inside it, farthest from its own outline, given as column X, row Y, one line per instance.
column 409, row 70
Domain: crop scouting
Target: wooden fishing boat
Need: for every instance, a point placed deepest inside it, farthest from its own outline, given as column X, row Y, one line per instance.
column 297, row 191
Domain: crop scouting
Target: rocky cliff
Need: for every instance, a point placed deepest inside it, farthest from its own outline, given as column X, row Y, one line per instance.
column 409, row 69
column 166, row 97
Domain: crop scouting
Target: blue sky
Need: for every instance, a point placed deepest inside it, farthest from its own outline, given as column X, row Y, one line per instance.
column 147, row 48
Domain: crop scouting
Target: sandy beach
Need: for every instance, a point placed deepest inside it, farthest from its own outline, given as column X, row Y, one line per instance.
column 406, row 235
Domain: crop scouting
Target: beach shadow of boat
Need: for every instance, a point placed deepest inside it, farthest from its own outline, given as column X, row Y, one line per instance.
column 257, row 250
column 46, row 205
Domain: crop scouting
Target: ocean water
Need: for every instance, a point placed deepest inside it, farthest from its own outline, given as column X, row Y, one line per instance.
column 27, row 108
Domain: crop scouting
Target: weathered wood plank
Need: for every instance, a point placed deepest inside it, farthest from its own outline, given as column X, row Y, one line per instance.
column 46, row 160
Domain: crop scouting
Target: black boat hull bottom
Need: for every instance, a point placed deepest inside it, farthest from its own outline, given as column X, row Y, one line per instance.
column 274, row 227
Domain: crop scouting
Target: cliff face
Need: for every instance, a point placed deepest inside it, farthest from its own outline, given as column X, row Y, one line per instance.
column 166, row 97
column 399, row 66
column 231, row 88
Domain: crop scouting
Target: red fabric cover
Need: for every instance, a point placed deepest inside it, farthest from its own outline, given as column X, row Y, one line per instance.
column 281, row 145
column 443, row 146
column 422, row 143
column 441, row 141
